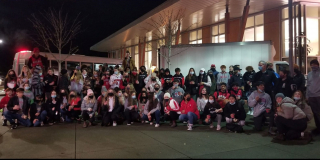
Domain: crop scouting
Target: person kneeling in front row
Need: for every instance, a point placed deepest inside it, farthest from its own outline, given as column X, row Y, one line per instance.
column 213, row 111
column 234, row 111
column 38, row 112
column 189, row 111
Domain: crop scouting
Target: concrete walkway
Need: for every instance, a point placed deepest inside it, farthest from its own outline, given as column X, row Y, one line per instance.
column 145, row 141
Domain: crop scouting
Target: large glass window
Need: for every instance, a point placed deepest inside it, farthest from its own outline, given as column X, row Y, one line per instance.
column 313, row 21
column 148, row 55
column 195, row 37
column 136, row 56
column 72, row 66
column 218, row 34
column 254, row 28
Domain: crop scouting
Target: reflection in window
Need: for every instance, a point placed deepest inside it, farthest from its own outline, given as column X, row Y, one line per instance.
column 195, row 37
column 218, row 34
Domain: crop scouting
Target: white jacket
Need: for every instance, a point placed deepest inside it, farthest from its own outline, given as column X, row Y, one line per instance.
column 117, row 78
column 151, row 84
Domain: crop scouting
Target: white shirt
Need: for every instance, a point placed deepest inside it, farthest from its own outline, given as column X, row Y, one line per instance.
column 116, row 78
column 111, row 104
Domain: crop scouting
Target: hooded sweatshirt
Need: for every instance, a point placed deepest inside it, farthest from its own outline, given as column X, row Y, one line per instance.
column 305, row 108
column 191, row 106
column 290, row 110
column 259, row 107
column 313, row 84
column 175, row 94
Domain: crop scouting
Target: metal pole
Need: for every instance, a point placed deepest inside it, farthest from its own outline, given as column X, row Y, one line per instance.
column 295, row 35
column 300, row 39
column 305, row 54
column 290, row 37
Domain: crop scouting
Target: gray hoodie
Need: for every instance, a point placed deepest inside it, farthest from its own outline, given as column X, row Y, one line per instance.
column 175, row 94
column 313, row 84
column 290, row 110
column 305, row 108
column 85, row 105
column 223, row 77
column 259, row 107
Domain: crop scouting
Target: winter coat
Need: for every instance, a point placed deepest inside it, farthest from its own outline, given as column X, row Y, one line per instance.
column 213, row 84
column 15, row 101
column 207, row 82
column 50, row 105
column 236, row 109
column 225, row 95
column 85, row 105
column 49, row 79
column 289, row 110
column 166, row 86
column 180, row 78
column 201, row 103
column 146, row 108
column 236, row 78
column 4, row 101
column 313, row 84
column 191, row 88
column 223, row 77
column 35, row 108
column 172, row 105
column 64, row 82
column 191, row 106
column 116, row 78
column 150, row 84
column 210, row 108
column 131, row 63
column 285, row 87
column 40, row 60
column 37, row 85
column 269, row 78
column 305, row 108
column 248, row 76
column 175, row 94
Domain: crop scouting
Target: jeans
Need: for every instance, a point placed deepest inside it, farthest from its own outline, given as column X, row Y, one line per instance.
column 190, row 116
column 40, row 118
column 65, row 114
column 155, row 115
column 11, row 116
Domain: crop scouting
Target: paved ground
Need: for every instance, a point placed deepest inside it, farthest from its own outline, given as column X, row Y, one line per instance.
column 145, row 141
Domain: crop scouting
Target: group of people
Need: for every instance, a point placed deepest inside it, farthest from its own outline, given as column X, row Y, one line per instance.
column 114, row 95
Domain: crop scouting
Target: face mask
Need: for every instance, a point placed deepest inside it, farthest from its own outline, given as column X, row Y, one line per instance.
column 133, row 97
column 296, row 98
column 188, row 99
column 314, row 68
column 296, row 71
column 72, row 96
column 191, row 73
column 201, row 72
column 233, row 103
column 260, row 90
column 110, row 94
column 116, row 72
column 53, row 96
column 260, row 68
column 37, row 101
column 153, row 80
column 104, row 94
column 26, row 88
column 95, row 75
column 235, row 72
column 40, row 74
column 134, row 73
column 166, row 100
column 157, row 89
column 90, row 97
column 119, row 94
column 12, row 75
column 63, row 94
column 211, row 101
column 176, row 85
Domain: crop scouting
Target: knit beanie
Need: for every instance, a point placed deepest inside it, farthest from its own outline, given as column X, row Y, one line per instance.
column 89, row 91
column 167, row 95
column 280, row 95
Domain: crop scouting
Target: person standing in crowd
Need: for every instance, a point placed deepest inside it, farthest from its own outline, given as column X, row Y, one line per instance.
column 204, row 81
column 247, row 78
column 11, row 80
column 266, row 76
column 37, row 59
column 213, row 112
column 75, row 106
column 270, row 68
column 18, row 108
column 222, row 95
column 284, row 84
column 28, row 93
column 152, row 110
column 140, row 83
column 214, row 71
column 115, row 79
column 161, row 73
column 236, row 78
column 192, row 83
column 88, row 108
column 105, row 79
column 291, row 121
column 313, row 93
column 298, row 79
column 64, row 80
column 24, row 77
column 77, row 81
column 262, row 104
column 152, row 82
column 234, row 111
column 171, row 109
column 125, row 80
column 201, row 103
column 231, row 70
column 176, row 92
column 3, row 104
column 103, row 95
column 159, row 95
column 189, row 111
column 223, row 77
column 38, row 112
column 101, row 70
column 213, row 82
column 37, row 83
column 53, row 108
column 131, row 107
column 51, row 81
column 166, row 80
column 128, row 61
column 86, row 80
column 179, row 77
column 96, row 84
column 112, row 108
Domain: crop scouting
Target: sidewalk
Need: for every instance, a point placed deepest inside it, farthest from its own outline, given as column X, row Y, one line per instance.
column 145, row 141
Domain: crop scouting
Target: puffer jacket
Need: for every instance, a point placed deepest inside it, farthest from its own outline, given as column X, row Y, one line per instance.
column 305, row 108
column 290, row 110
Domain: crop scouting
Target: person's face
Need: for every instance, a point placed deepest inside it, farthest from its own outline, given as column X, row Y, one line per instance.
column 125, row 74
column 204, row 91
column 53, row 94
column 107, row 73
column 282, row 75
column 211, row 98
column 223, row 69
column 38, row 98
column 144, row 95
column 177, row 73
column 133, row 94
column 232, row 100
column 100, row 67
column 91, row 94
column 25, row 69
column 19, row 94
column 26, row 85
column 271, row 66
column 297, row 94
column 50, row 72
column 62, row 91
column 116, row 70
column 110, row 91
column 127, row 55
column 175, row 83
column 279, row 100
column 167, row 73
column 84, row 72
column 263, row 66
column 144, row 90
column 223, row 87
column 36, row 51
column 235, row 87
column 261, row 87
column 119, row 92
column 191, row 70
column 230, row 68
column 95, row 73
column 72, row 93
column 314, row 65
column 11, row 73
column 161, row 71
column 9, row 93
column 187, row 96
column 75, row 71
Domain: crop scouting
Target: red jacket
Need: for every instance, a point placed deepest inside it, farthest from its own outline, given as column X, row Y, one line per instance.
column 225, row 94
column 124, row 86
column 76, row 104
column 99, row 102
column 236, row 93
column 172, row 105
column 4, row 101
column 191, row 106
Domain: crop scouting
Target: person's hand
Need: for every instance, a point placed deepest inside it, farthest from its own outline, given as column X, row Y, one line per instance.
column 137, row 82
column 257, row 99
column 279, row 109
column 219, row 110
column 232, row 115
column 235, row 120
column 70, row 108
column 248, row 82
column 182, row 111
column 180, row 94
column 37, row 114
column 220, row 98
column 267, row 110
column 125, row 94
column 16, row 107
column 173, row 87
column 89, row 109
column 35, row 120
column 238, row 97
column 24, row 117
column 51, row 84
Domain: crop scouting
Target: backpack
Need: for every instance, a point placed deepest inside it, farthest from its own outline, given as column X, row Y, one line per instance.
column 234, row 127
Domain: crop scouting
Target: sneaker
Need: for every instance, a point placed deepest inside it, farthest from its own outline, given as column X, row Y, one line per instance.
column 157, row 125
column 185, row 122
column 151, row 123
column 307, row 136
column 4, row 123
column 114, row 124
column 14, row 126
column 218, row 127
column 271, row 132
column 211, row 126
column 189, row 128
column 85, row 125
column 42, row 124
column 128, row 124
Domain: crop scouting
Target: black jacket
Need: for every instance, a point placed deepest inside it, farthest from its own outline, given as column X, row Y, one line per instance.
column 284, row 87
column 15, row 101
column 236, row 78
column 248, row 76
column 300, row 81
column 166, row 86
column 49, row 79
column 64, row 82
column 180, row 78
column 237, row 109
column 33, row 111
column 50, row 105
column 210, row 108
column 142, row 76
column 268, row 78
column 118, row 108
column 191, row 88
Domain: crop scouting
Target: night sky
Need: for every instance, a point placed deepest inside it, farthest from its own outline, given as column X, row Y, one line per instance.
column 100, row 18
